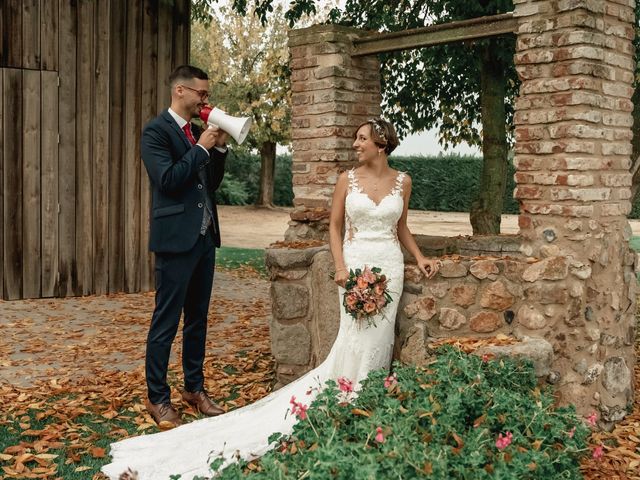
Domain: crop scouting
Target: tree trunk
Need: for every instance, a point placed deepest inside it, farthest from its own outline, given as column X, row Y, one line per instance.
column 267, row 171
column 486, row 209
column 635, row 145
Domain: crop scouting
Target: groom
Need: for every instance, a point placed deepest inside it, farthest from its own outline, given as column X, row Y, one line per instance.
column 185, row 167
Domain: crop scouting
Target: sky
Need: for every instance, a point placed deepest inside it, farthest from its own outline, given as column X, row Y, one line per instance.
column 426, row 144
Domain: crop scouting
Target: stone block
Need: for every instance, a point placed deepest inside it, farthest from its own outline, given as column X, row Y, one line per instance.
column 464, row 294
column 422, row 309
column 289, row 300
column 289, row 259
column 451, row 319
column 530, row 317
column 451, row 269
column 616, row 376
column 496, row 296
column 538, row 350
column 482, row 269
column 413, row 350
column 485, row 322
column 290, row 343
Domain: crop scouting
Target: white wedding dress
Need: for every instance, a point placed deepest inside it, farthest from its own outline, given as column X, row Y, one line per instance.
column 370, row 239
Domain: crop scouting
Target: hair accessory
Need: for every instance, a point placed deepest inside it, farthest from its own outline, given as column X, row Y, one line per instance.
column 377, row 125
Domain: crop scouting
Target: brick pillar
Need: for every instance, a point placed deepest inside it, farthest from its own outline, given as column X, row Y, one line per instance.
column 333, row 93
column 573, row 131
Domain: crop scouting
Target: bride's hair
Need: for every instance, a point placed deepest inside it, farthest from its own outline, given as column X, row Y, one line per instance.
column 382, row 133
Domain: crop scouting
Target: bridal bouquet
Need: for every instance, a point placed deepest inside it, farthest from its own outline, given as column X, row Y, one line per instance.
column 366, row 294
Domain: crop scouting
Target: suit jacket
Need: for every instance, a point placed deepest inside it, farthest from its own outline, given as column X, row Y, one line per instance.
column 178, row 198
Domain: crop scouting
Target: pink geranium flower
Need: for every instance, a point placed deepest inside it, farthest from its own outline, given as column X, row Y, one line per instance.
column 298, row 408
column 598, row 452
column 504, row 442
column 379, row 436
column 391, row 380
column 592, row 419
column 345, row 385
column 485, row 358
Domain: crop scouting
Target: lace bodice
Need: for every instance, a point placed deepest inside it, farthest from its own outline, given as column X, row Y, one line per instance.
column 367, row 220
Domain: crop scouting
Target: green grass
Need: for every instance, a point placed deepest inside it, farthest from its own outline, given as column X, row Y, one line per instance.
column 232, row 257
column 634, row 243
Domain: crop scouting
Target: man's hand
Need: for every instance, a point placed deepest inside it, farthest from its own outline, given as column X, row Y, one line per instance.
column 221, row 141
column 209, row 137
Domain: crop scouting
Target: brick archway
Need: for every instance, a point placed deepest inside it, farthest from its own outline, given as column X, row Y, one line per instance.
column 574, row 287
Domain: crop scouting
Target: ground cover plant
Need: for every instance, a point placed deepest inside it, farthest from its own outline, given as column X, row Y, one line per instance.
column 462, row 416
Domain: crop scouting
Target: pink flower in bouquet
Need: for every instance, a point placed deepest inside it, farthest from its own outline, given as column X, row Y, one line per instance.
column 391, row 380
column 379, row 288
column 592, row 419
column 352, row 299
column 598, row 452
column 368, row 275
column 504, row 442
column 379, row 436
column 345, row 384
column 370, row 307
column 362, row 283
column 381, row 302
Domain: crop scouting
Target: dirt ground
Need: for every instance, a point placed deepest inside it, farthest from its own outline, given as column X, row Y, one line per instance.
column 252, row 227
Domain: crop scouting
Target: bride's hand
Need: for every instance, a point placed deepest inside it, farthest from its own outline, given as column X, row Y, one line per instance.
column 341, row 276
column 429, row 266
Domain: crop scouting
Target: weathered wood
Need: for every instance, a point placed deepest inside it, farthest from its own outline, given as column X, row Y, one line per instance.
column 100, row 157
column 68, row 281
column 12, row 34
column 49, row 129
column 12, row 204
column 2, row 117
column 165, row 66
column 31, row 34
column 181, row 15
column 116, row 142
column 84, row 151
column 132, row 149
column 49, row 35
column 464, row 30
column 31, row 219
column 148, row 111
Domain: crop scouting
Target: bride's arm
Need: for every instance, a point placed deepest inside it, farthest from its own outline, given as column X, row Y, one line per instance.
column 336, row 223
column 428, row 266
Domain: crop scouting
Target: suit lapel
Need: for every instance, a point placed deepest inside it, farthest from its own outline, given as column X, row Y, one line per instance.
column 176, row 128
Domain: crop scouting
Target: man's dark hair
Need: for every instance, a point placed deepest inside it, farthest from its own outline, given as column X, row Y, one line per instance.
column 186, row 72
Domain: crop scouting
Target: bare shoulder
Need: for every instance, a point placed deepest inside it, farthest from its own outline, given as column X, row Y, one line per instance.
column 343, row 178
column 406, row 179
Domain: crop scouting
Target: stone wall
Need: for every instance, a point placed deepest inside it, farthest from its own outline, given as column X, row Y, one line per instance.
column 333, row 93
column 572, row 158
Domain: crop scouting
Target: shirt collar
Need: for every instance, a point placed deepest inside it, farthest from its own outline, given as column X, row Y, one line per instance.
column 179, row 120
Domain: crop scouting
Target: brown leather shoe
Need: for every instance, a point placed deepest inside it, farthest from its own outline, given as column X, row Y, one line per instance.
column 163, row 414
column 202, row 403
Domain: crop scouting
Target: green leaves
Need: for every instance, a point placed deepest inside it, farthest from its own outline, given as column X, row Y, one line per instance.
column 441, row 421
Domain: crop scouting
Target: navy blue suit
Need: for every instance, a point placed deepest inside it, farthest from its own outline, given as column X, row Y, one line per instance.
column 180, row 175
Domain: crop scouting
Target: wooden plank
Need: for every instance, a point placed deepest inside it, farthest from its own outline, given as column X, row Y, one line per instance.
column 31, row 219
column 116, row 141
column 2, row 117
column 84, row 151
column 464, row 30
column 68, row 275
column 12, row 34
column 148, row 111
column 49, row 35
column 49, row 128
column 12, row 178
column 132, row 148
column 181, row 23
column 165, row 15
column 101, row 150
column 31, row 34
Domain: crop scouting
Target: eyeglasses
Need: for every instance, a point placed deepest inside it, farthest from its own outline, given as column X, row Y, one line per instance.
column 203, row 93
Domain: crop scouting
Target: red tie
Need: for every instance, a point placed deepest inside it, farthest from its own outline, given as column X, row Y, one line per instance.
column 187, row 131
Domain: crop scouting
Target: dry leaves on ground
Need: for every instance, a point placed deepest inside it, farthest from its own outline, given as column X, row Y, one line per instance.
column 65, row 359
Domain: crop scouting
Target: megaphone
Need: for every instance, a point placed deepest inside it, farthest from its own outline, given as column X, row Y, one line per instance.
column 237, row 127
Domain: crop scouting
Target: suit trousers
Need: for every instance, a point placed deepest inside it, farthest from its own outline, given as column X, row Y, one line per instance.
column 183, row 283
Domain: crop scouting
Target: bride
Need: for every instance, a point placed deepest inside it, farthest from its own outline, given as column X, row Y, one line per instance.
column 370, row 204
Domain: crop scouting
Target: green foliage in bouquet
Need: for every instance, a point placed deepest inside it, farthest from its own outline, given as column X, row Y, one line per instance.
column 458, row 418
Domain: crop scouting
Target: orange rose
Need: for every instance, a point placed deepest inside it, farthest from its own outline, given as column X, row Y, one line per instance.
column 370, row 307
column 352, row 300
column 379, row 288
column 362, row 283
